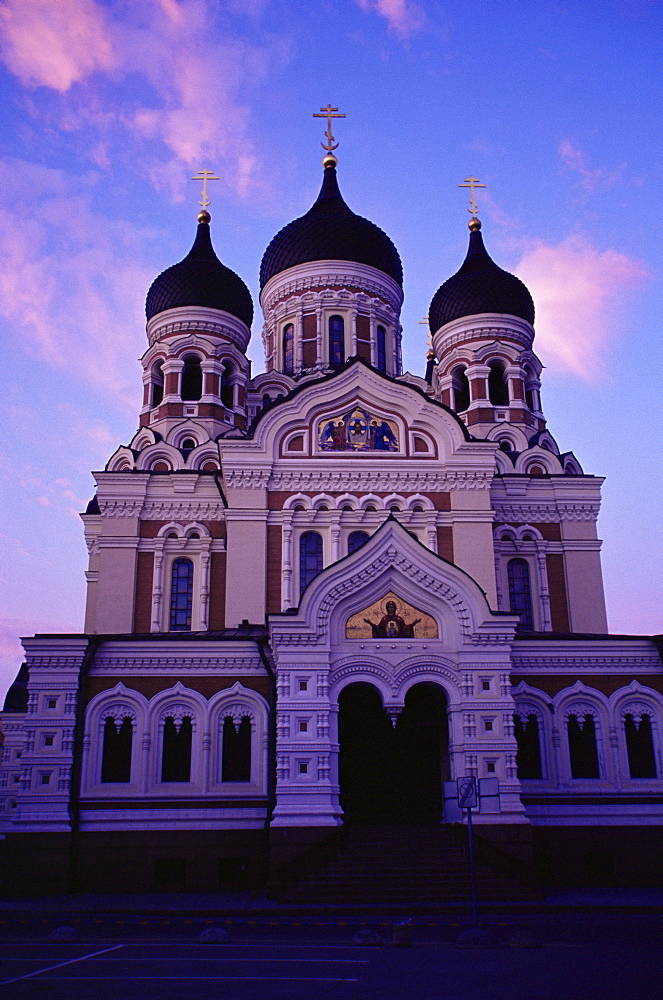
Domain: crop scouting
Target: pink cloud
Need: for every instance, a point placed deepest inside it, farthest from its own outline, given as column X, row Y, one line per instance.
column 79, row 306
column 54, row 44
column 575, row 161
column 404, row 17
column 577, row 290
column 197, row 112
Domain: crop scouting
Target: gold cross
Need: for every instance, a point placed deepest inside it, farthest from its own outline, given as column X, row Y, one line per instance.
column 472, row 183
column 205, row 176
column 329, row 113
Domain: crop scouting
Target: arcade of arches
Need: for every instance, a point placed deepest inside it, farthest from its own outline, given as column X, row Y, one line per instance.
column 393, row 773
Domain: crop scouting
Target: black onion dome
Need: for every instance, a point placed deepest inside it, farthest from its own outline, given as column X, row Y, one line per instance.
column 480, row 286
column 200, row 280
column 16, row 699
column 330, row 231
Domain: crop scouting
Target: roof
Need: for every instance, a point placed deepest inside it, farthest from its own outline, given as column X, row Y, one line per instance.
column 330, row 231
column 200, row 280
column 480, row 286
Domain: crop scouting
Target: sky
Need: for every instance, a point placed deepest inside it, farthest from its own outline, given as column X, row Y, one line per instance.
column 108, row 108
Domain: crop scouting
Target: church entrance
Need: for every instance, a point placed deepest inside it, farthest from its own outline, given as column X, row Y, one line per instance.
column 392, row 774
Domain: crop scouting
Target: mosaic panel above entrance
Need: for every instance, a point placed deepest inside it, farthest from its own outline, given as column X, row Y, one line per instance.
column 391, row 618
column 357, row 430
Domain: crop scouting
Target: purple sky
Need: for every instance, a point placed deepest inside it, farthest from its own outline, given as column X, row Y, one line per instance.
column 109, row 107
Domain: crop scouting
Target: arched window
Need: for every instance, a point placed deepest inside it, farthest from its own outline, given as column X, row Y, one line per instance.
column 498, row 390
column 461, row 389
column 639, row 746
column 355, row 541
column 310, row 558
column 176, row 755
column 583, row 752
column 266, row 400
column 236, row 750
column 227, row 388
column 181, row 595
column 192, row 378
column 116, row 757
column 528, row 758
column 520, row 593
column 157, row 384
column 288, row 349
column 381, row 344
column 336, row 341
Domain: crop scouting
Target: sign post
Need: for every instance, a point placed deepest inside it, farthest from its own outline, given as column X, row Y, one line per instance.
column 468, row 800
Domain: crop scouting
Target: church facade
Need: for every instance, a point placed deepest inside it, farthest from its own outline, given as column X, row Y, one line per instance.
column 320, row 595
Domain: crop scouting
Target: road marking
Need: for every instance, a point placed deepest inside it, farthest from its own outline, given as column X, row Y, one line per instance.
column 72, row 961
column 191, row 979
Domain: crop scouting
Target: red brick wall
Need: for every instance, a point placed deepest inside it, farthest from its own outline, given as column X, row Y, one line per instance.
column 217, row 590
column 143, row 595
column 273, row 567
column 559, row 607
column 445, row 543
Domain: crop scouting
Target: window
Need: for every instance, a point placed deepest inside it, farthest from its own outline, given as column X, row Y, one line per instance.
column 52, row 703
column 582, row 746
column 310, row 558
column 498, row 390
column 49, row 741
column 188, row 444
column 288, row 349
column 355, row 541
column 157, row 384
column 528, row 757
column 181, row 595
column 461, row 389
column 303, row 767
column 303, row 726
column 520, row 593
column 227, row 391
column 639, row 746
column 236, row 752
column 266, row 400
column 488, row 725
column 176, row 756
column 381, row 349
column 336, row 341
column 192, row 378
column 485, row 684
column 116, row 755
column 45, row 777
column 303, row 685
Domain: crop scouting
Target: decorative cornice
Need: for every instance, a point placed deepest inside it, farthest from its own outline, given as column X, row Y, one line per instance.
column 164, row 510
column 315, row 275
column 371, row 480
column 598, row 663
column 152, row 664
column 198, row 319
column 547, row 511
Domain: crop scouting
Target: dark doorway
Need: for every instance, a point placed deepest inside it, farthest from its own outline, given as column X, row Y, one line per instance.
column 387, row 774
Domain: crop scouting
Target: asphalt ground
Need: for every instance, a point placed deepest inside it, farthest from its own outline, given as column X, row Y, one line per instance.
column 327, row 972
column 583, row 956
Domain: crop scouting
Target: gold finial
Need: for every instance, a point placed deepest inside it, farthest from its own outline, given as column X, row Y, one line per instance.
column 205, row 176
column 329, row 160
column 472, row 183
column 430, row 353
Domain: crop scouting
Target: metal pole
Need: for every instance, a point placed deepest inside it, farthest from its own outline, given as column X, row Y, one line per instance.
column 473, row 879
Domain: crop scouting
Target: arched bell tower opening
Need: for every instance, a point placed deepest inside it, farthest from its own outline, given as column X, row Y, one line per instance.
column 387, row 773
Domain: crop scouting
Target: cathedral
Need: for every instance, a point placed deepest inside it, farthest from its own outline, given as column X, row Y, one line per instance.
column 318, row 596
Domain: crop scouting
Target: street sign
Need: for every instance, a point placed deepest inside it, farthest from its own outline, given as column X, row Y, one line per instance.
column 467, row 792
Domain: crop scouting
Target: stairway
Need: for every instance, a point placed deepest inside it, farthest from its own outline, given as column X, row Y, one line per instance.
column 392, row 865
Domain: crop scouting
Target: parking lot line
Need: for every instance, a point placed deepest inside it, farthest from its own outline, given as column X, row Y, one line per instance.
column 71, row 961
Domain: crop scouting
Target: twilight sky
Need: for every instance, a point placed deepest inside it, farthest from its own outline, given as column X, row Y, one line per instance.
column 109, row 106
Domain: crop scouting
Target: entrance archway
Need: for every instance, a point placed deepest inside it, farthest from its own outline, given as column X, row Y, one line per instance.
column 387, row 774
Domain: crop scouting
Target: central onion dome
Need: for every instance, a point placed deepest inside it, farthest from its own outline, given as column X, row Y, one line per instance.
column 330, row 231
column 200, row 280
column 480, row 286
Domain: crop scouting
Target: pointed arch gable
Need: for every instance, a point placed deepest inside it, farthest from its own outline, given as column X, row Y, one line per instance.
column 392, row 560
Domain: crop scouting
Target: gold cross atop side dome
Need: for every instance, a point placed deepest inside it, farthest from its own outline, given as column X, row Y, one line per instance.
column 205, row 176
column 331, row 144
column 472, row 183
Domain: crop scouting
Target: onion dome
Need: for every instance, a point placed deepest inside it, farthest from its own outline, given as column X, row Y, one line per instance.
column 330, row 231
column 200, row 280
column 16, row 699
column 480, row 286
